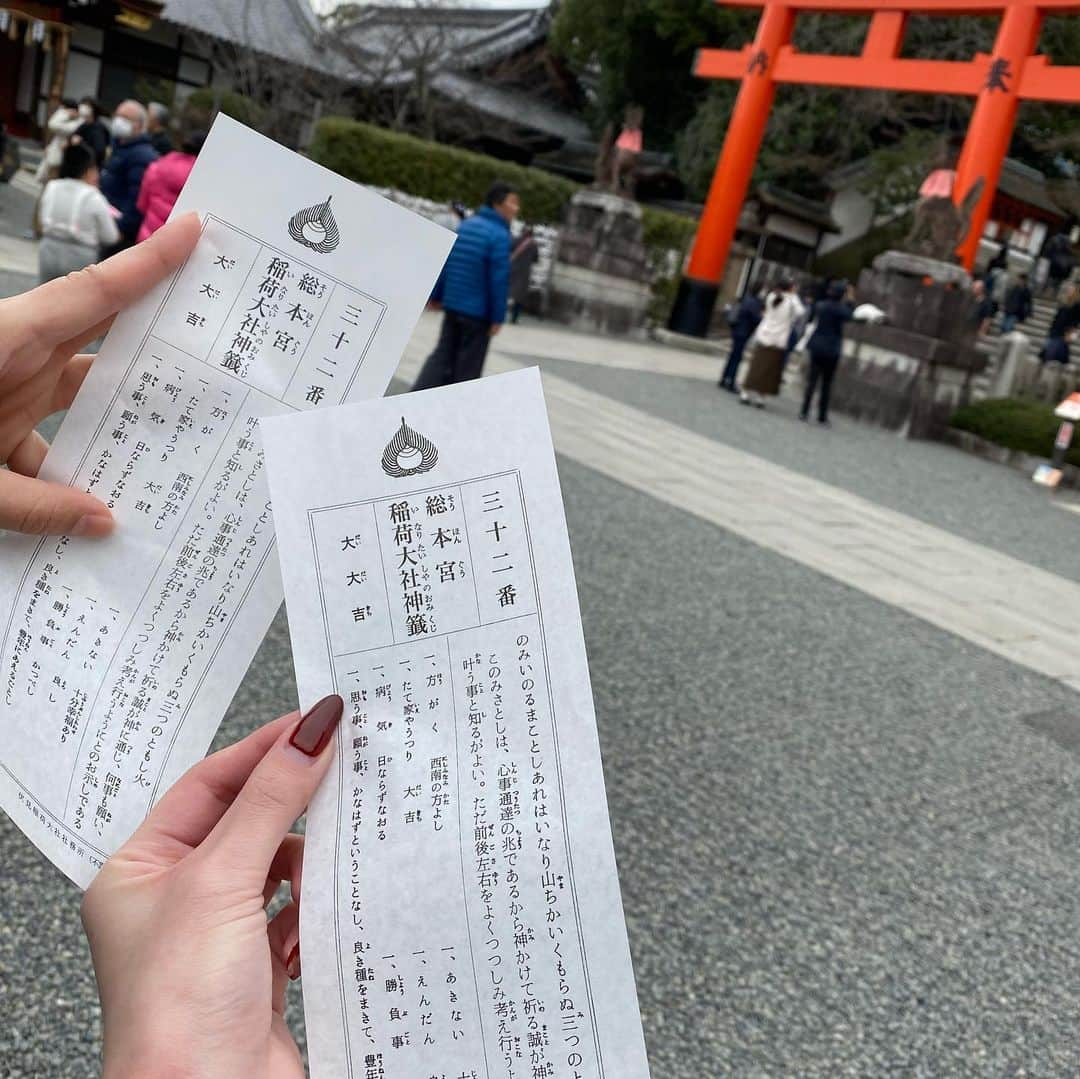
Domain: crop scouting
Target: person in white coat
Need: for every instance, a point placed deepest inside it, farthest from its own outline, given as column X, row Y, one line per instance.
column 783, row 309
column 62, row 125
column 76, row 222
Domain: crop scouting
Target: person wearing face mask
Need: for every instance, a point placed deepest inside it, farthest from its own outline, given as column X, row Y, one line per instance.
column 92, row 132
column 122, row 177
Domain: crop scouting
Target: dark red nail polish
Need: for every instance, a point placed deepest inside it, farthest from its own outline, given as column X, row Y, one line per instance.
column 313, row 731
column 292, row 964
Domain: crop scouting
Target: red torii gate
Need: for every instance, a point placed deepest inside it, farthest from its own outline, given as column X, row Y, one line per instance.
column 999, row 82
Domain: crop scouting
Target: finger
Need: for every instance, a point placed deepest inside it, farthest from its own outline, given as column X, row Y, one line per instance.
column 26, row 457
column 40, row 508
column 186, row 814
column 63, row 309
column 287, row 865
column 81, row 340
column 283, row 936
column 70, row 382
column 245, row 840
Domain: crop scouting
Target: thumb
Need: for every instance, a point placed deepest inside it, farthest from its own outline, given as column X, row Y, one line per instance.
column 41, row 508
column 278, row 790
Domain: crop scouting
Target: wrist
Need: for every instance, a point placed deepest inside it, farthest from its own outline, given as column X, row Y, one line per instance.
column 122, row 1060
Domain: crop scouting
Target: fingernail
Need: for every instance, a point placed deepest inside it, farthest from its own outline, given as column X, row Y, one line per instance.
column 93, row 524
column 292, row 964
column 313, row 731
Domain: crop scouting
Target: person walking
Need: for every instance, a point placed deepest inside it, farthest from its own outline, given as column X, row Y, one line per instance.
column 74, row 218
column 783, row 309
column 1059, row 255
column 826, row 346
column 163, row 181
column 522, row 259
column 1017, row 306
column 472, row 290
column 122, row 176
column 1062, row 328
column 743, row 320
column 985, row 306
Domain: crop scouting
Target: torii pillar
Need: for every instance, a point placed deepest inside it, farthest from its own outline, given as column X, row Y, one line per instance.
column 994, row 118
column 1014, row 72
column 700, row 286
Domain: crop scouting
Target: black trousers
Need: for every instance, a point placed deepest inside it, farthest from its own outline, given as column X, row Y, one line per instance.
column 822, row 368
column 731, row 368
column 459, row 355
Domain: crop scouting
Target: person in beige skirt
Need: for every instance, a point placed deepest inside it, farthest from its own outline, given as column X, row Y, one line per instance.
column 783, row 309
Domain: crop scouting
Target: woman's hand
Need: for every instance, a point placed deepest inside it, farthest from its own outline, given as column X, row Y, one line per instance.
column 41, row 333
column 191, row 975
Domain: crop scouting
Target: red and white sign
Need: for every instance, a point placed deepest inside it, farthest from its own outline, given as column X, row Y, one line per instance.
column 1069, row 409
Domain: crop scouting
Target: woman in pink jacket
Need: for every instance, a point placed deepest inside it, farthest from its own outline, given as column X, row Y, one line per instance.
column 163, row 181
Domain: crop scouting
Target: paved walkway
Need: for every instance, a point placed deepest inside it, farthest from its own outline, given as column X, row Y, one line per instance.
column 18, row 253
column 997, row 602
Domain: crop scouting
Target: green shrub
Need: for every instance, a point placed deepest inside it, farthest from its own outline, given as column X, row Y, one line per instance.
column 1016, row 423
column 848, row 261
column 373, row 155
column 431, row 170
column 209, row 101
column 667, row 231
column 664, row 232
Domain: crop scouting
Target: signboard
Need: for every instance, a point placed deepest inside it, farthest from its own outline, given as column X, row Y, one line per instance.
column 1069, row 409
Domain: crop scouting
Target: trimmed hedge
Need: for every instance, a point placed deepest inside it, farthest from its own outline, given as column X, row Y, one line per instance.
column 373, row 155
column 431, row 170
column 1015, row 423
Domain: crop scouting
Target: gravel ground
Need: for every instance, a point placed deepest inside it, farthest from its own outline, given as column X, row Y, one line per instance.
column 981, row 501
column 843, row 851
column 845, row 847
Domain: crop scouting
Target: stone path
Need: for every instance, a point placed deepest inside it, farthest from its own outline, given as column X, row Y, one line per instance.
column 991, row 599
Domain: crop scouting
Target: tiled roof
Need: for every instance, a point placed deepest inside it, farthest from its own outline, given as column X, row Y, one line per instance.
column 283, row 29
column 1027, row 185
column 515, row 106
column 392, row 37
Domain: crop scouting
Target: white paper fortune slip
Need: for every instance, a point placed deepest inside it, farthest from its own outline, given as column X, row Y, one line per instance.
column 460, row 913
column 120, row 656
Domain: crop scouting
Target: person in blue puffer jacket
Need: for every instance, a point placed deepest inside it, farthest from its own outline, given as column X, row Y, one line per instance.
column 472, row 290
column 121, row 178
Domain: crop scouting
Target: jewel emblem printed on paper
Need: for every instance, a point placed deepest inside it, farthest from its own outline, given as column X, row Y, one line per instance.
column 316, row 228
column 408, row 453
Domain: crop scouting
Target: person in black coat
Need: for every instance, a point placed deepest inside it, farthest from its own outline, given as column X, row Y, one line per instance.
column 92, row 132
column 1062, row 329
column 1017, row 305
column 744, row 320
column 825, row 346
column 1058, row 252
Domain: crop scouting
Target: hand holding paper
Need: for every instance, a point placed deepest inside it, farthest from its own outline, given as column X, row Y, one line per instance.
column 191, row 976
column 41, row 333
column 461, row 912
column 118, row 658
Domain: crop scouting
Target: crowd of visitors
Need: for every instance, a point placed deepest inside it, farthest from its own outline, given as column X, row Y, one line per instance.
column 780, row 321
column 109, row 182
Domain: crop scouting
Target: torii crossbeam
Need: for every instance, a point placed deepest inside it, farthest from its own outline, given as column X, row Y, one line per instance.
column 1012, row 73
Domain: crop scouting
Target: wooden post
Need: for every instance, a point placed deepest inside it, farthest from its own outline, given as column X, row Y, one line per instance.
column 60, row 52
